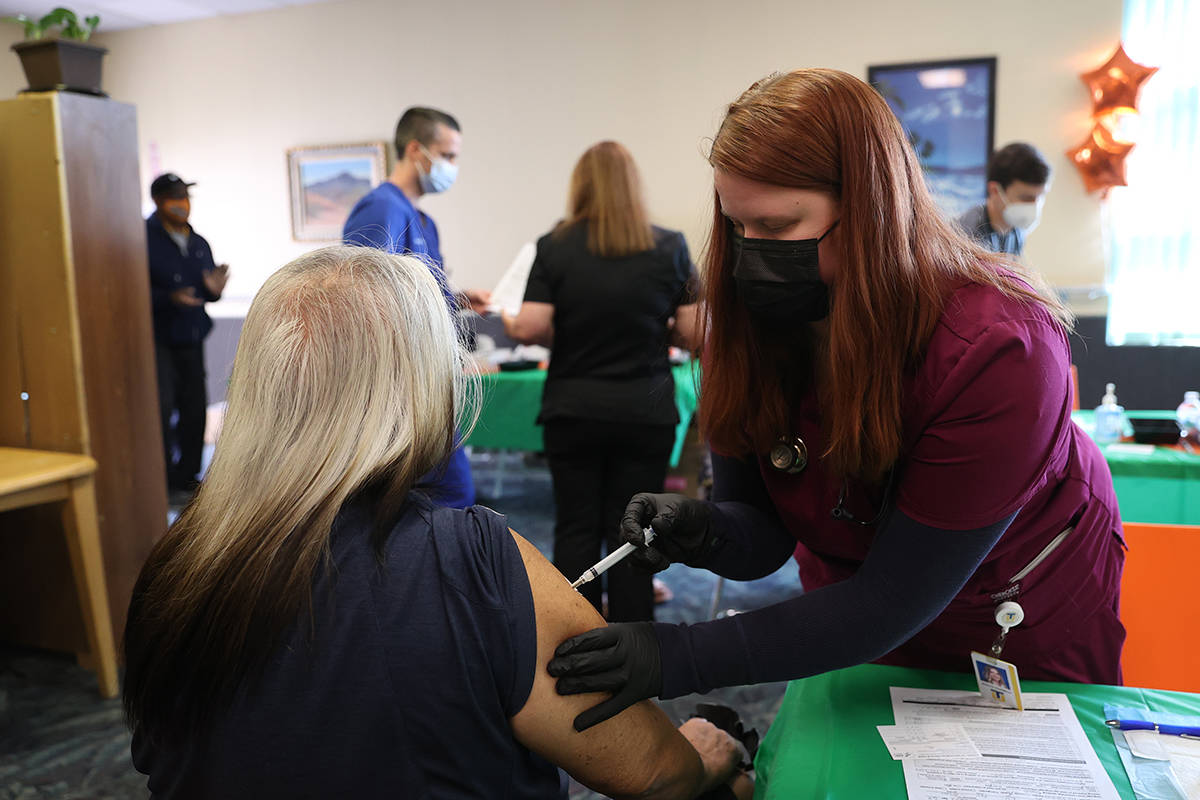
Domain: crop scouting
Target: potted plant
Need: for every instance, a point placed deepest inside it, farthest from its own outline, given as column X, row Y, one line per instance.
column 67, row 62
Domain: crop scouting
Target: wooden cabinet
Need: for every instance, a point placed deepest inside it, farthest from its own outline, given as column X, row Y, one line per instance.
column 76, row 350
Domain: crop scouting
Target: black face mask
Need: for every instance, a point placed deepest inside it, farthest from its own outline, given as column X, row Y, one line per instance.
column 779, row 280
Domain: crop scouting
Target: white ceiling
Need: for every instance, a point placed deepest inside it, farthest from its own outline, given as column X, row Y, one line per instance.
column 122, row 14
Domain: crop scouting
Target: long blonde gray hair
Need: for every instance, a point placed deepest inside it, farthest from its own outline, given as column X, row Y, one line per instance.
column 349, row 378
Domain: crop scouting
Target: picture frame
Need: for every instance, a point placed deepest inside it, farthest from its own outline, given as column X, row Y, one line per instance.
column 325, row 181
column 948, row 110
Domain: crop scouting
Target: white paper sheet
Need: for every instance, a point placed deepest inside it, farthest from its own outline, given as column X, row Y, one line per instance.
column 1185, row 761
column 1040, row 753
column 927, row 741
column 1184, row 755
column 1146, row 744
column 510, row 291
column 1131, row 449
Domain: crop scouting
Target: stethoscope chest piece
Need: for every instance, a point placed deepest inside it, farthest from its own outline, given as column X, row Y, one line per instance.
column 789, row 455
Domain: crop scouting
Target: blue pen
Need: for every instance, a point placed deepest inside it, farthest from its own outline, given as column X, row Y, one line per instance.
column 1183, row 731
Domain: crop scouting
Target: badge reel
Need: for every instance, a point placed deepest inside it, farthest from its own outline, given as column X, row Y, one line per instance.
column 1009, row 614
column 997, row 679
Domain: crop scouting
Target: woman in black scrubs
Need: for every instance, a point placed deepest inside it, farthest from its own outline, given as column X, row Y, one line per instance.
column 603, row 294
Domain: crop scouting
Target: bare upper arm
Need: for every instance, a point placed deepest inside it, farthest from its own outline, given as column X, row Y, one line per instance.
column 533, row 324
column 686, row 333
column 636, row 753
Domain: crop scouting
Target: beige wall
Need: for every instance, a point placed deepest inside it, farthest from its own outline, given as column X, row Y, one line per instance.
column 534, row 82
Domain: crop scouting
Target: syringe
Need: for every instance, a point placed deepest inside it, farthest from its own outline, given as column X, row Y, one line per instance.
column 605, row 563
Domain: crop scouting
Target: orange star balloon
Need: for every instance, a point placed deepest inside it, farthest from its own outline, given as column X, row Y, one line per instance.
column 1106, row 139
column 1116, row 84
column 1101, row 160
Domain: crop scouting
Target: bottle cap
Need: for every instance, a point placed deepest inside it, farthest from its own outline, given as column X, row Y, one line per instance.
column 1110, row 395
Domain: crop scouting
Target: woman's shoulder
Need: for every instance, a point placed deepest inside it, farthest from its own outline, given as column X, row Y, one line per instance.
column 471, row 524
column 470, row 548
column 671, row 251
column 453, row 536
column 667, row 239
column 974, row 312
column 563, row 234
column 986, row 335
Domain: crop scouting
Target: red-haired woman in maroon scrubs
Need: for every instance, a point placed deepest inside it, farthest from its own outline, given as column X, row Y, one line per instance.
column 886, row 401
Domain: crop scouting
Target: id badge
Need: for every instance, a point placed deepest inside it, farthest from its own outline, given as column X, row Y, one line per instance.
column 998, row 681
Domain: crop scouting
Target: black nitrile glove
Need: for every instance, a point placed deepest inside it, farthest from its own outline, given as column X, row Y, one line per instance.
column 681, row 527
column 622, row 659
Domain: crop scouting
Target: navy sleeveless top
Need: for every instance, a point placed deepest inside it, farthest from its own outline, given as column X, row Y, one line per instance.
column 404, row 689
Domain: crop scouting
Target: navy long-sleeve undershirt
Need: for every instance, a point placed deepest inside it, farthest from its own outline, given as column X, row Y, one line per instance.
column 910, row 574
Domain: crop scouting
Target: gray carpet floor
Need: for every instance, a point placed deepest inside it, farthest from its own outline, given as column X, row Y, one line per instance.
column 59, row 740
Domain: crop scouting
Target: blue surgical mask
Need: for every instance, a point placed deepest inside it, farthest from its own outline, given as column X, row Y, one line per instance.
column 440, row 176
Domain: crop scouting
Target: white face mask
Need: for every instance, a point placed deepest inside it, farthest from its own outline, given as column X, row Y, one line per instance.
column 440, row 176
column 1022, row 215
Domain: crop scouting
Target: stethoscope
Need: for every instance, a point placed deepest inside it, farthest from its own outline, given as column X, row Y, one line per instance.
column 790, row 456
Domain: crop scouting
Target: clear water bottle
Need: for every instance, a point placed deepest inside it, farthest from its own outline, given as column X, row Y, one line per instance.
column 1188, row 415
column 1110, row 417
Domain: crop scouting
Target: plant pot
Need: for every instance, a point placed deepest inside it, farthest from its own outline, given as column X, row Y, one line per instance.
column 54, row 64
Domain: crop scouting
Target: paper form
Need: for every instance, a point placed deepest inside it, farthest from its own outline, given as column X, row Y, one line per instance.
column 927, row 741
column 1040, row 753
column 510, row 291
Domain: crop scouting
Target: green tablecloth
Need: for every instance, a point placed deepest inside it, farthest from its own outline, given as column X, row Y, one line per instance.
column 1161, row 486
column 823, row 742
column 511, row 401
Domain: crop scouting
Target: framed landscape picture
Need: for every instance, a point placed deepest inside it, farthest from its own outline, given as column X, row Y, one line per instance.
column 948, row 110
column 327, row 181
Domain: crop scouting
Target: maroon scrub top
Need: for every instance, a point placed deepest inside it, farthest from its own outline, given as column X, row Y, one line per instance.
column 988, row 432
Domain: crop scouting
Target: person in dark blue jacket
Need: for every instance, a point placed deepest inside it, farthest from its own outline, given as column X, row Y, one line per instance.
column 183, row 277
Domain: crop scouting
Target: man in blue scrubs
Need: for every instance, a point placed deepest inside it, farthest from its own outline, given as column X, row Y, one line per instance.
column 427, row 147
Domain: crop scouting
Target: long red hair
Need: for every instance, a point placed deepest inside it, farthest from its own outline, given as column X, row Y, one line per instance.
column 827, row 131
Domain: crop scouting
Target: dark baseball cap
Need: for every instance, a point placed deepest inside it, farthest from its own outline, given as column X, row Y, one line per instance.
column 169, row 185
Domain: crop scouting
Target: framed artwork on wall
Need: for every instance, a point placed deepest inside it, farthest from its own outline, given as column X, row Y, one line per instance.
column 948, row 110
column 325, row 183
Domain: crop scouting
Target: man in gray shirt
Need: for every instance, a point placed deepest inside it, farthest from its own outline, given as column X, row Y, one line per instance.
column 1018, row 179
